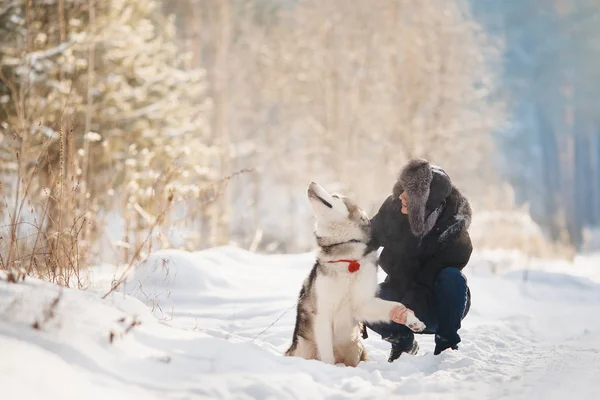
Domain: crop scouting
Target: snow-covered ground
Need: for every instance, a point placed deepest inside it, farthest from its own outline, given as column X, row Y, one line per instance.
column 215, row 323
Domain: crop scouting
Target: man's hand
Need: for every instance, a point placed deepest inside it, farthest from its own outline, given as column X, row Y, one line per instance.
column 398, row 314
column 402, row 315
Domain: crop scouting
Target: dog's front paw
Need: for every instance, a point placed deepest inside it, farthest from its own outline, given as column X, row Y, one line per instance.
column 413, row 322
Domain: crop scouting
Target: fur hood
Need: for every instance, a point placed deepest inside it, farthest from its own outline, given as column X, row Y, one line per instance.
column 455, row 218
column 432, row 197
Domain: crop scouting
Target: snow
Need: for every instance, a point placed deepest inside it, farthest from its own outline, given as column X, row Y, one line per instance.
column 215, row 323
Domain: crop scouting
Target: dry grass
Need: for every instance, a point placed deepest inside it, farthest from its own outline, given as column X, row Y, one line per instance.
column 125, row 325
column 515, row 230
column 500, row 224
column 53, row 248
column 209, row 193
column 51, row 222
column 45, row 225
column 48, row 314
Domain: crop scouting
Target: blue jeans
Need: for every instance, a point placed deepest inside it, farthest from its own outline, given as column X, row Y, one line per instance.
column 442, row 313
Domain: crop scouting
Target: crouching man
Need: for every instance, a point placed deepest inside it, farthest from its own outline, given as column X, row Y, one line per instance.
column 422, row 228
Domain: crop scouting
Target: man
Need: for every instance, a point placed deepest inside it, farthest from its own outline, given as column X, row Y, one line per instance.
column 422, row 228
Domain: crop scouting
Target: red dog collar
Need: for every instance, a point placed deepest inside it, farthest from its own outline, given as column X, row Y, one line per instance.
column 353, row 265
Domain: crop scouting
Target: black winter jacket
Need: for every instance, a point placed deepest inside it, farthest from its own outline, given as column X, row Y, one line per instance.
column 413, row 264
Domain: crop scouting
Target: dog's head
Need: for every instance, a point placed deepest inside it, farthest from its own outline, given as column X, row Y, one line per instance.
column 338, row 219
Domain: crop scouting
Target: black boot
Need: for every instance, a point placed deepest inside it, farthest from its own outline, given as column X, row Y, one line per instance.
column 397, row 352
column 441, row 344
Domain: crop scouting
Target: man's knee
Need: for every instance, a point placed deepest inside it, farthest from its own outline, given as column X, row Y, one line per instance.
column 451, row 288
column 451, row 278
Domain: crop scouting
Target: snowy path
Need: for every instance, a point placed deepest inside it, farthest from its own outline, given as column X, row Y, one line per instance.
column 539, row 340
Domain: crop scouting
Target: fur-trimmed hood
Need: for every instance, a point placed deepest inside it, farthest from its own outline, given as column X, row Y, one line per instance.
column 455, row 217
column 431, row 199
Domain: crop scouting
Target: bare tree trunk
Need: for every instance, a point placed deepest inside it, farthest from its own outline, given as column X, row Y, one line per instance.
column 221, row 74
column 594, row 150
column 90, row 98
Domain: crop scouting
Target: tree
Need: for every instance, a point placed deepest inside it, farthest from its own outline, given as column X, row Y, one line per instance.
column 316, row 91
column 551, row 142
column 113, row 69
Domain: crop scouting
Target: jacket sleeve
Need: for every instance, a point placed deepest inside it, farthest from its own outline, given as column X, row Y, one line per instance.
column 454, row 255
column 377, row 223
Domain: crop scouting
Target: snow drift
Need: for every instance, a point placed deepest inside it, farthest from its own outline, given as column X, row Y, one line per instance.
column 213, row 324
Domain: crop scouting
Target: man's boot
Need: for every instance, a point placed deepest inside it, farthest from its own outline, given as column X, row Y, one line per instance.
column 397, row 352
column 442, row 343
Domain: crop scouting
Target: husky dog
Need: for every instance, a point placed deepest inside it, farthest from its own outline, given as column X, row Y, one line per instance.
column 339, row 293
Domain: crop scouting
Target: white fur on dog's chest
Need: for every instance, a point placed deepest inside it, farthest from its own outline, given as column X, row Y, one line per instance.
column 339, row 295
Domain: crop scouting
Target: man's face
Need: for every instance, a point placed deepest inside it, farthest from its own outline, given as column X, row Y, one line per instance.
column 404, row 200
